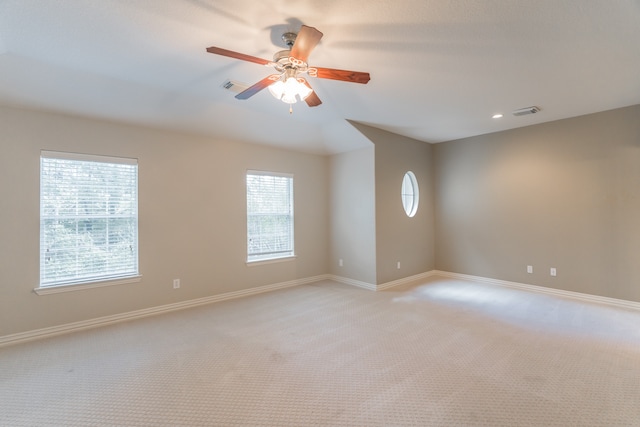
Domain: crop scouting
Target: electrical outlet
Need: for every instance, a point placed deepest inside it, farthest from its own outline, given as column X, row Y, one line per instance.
column 398, row 265
column 340, row 263
column 176, row 283
column 553, row 272
column 530, row 269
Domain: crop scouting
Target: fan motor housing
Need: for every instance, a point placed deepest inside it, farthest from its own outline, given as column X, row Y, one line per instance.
column 289, row 39
column 282, row 56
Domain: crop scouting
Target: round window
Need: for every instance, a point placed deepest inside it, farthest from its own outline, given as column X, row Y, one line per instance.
column 410, row 194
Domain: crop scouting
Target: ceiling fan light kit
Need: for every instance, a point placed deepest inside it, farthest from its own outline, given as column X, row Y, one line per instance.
column 288, row 85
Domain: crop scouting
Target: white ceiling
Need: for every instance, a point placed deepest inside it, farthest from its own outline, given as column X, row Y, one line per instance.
column 439, row 68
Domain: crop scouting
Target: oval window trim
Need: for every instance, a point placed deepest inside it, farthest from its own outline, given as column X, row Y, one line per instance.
column 410, row 194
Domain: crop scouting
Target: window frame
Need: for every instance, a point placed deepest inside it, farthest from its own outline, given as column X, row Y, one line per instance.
column 101, row 278
column 410, row 192
column 258, row 259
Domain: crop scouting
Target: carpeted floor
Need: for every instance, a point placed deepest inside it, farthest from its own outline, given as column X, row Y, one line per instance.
column 442, row 353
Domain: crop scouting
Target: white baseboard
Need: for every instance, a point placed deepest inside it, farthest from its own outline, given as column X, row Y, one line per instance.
column 634, row 305
column 137, row 314
column 405, row 280
column 543, row 290
column 352, row 282
column 383, row 286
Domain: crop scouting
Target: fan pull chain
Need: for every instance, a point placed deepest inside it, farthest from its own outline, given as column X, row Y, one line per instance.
column 290, row 108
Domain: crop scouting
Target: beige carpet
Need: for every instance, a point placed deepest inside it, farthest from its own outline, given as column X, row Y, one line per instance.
column 443, row 353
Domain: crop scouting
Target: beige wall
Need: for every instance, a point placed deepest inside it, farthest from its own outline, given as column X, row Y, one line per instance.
column 562, row 194
column 192, row 222
column 398, row 237
column 353, row 227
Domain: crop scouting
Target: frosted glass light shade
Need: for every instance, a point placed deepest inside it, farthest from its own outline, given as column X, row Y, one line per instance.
column 287, row 91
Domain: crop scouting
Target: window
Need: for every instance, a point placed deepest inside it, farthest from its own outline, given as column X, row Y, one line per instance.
column 269, row 216
column 410, row 194
column 88, row 218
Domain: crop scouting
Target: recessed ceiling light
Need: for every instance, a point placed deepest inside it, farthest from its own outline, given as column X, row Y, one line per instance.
column 496, row 116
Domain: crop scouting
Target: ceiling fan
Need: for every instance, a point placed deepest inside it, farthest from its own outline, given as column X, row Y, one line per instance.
column 288, row 84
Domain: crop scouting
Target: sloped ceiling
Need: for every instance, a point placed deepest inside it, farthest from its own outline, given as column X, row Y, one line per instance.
column 439, row 69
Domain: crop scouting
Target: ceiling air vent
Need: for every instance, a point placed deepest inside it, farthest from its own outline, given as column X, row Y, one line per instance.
column 525, row 111
column 234, row 86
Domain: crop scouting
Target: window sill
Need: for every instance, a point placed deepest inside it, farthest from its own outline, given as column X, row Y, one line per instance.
column 270, row 261
column 82, row 286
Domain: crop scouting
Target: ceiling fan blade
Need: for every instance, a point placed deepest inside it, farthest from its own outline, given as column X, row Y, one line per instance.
column 236, row 55
column 306, row 40
column 312, row 100
column 344, row 75
column 250, row 91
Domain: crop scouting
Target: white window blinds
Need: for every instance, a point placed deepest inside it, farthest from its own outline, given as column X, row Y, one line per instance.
column 88, row 218
column 269, row 215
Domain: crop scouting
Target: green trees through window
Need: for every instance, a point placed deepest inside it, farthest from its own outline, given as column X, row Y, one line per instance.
column 269, row 216
column 88, row 218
